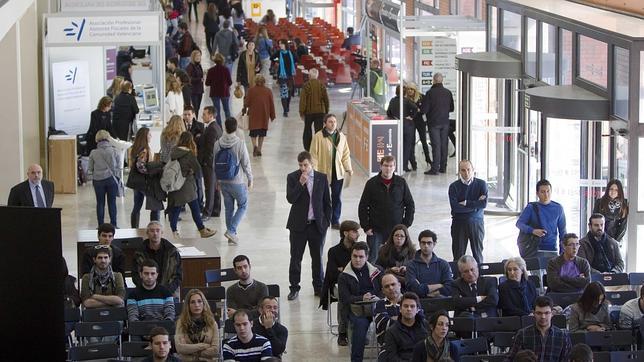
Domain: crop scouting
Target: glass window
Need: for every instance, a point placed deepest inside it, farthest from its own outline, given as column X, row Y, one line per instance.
column 565, row 67
column 492, row 28
column 620, row 76
column 466, row 8
column 593, row 60
column 642, row 88
column 640, row 176
column 511, row 30
column 548, row 52
column 531, row 45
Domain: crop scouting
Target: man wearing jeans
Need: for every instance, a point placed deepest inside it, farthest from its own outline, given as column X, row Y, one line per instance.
column 235, row 189
column 437, row 104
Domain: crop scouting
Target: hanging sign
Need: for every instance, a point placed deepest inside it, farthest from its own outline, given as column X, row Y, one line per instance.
column 107, row 29
column 389, row 16
column 256, row 9
column 71, row 96
column 104, row 5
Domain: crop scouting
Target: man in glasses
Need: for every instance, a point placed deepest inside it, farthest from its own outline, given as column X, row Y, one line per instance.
column 428, row 275
column 105, row 237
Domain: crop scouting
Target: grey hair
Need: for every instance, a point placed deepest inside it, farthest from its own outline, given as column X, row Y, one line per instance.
column 438, row 78
column 313, row 73
column 466, row 259
column 519, row 262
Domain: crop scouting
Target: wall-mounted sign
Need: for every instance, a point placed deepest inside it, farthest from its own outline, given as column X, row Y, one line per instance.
column 109, row 29
column 255, row 9
column 105, row 5
column 437, row 55
column 71, row 96
column 110, row 63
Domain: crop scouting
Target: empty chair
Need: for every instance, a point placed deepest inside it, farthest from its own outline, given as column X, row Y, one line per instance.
column 636, row 279
column 273, row 290
column 135, row 349
column 471, row 346
column 610, row 339
column 498, row 324
column 211, row 293
column 93, row 352
column 564, row 299
column 431, row 305
column 459, row 324
column 491, row 269
column 601, row 357
column 611, row 280
column 220, row 275
column 625, row 356
column 503, row 339
column 86, row 330
column 104, row 314
column 484, row 358
column 558, row 320
column 143, row 328
column 619, row 298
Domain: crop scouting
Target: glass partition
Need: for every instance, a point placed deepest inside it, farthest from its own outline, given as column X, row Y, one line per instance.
column 620, row 77
column 641, row 89
column 493, row 28
column 531, row 48
column 593, row 60
column 565, row 59
column 548, row 52
column 511, row 30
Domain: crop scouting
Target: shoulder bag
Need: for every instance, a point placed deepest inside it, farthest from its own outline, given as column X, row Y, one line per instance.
column 529, row 243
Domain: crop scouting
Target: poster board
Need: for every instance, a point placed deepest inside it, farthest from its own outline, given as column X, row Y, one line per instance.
column 71, row 95
column 438, row 55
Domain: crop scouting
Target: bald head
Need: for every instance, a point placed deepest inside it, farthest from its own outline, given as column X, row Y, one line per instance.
column 390, row 286
column 34, row 173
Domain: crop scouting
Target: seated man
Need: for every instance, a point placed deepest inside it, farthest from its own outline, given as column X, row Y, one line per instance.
column 105, row 237
column 601, row 251
column 548, row 342
column 359, row 282
column 247, row 293
column 267, row 325
column 150, row 300
column 337, row 259
column 428, row 275
column 160, row 345
column 406, row 332
column 246, row 345
column 631, row 312
column 102, row 287
column 164, row 254
column 387, row 309
column 473, row 296
column 581, row 352
column 568, row 273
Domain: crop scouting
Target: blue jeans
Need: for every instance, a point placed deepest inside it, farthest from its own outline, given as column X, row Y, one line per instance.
column 360, row 326
column 183, row 62
column 225, row 103
column 375, row 242
column 234, row 192
column 199, row 181
column 139, row 196
column 336, row 203
column 194, row 210
column 229, row 65
column 109, row 188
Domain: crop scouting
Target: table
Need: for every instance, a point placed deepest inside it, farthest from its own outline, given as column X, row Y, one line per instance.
column 130, row 240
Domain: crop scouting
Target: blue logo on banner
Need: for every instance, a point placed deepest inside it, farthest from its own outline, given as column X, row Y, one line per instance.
column 71, row 75
column 75, row 30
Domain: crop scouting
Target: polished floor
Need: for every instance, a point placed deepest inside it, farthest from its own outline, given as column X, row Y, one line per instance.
column 263, row 234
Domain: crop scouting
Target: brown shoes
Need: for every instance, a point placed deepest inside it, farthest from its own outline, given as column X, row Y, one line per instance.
column 207, row 232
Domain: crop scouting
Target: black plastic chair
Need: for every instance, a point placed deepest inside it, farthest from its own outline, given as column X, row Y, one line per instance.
column 98, row 329
column 611, row 280
column 454, row 266
column 564, row 299
column 498, row 324
column 636, row 279
column 619, row 298
column 211, row 293
column 72, row 315
column 626, row 356
column 601, row 357
column 609, row 340
column 491, row 269
column 93, row 352
column 462, row 324
column 558, row 320
column 135, row 349
column 503, row 339
column 484, row 358
column 273, row 290
column 105, row 314
column 471, row 346
column 432, row 305
column 220, row 275
column 143, row 328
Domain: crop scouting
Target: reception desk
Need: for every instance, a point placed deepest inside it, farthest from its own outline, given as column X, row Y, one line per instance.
column 370, row 134
column 129, row 240
column 62, row 163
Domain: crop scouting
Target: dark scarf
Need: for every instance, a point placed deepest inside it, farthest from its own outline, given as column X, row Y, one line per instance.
column 195, row 331
column 601, row 261
column 521, row 288
column 103, row 279
column 434, row 351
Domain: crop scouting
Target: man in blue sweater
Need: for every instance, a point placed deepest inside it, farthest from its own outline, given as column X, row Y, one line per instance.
column 428, row 275
column 467, row 198
column 549, row 224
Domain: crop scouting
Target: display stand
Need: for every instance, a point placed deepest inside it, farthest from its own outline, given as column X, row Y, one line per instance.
column 62, row 163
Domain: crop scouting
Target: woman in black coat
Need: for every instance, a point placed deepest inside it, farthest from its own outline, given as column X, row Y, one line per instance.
column 517, row 293
column 101, row 118
column 124, row 112
column 409, row 128
column 246, row 59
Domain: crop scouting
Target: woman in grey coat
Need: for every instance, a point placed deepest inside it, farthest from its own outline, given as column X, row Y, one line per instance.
column 105, row 167
column 185, row 152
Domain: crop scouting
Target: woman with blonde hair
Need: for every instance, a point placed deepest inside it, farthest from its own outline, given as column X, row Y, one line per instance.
column 170, row 136
column 173, row 100
column 265, row 50
column 195, row 72
column 124, row 111
column 219, row 81
column 259, row 106
column 197, row 334
column 186, row 154
column 105, row 166
column 419, row 122
column 115, row 87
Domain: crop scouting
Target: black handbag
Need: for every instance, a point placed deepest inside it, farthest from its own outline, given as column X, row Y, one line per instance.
column 529, row 243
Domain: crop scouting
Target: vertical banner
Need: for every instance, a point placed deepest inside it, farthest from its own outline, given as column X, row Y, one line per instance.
column 71, row 96
column 384, row 142
column 438, row 55
column 110, row 64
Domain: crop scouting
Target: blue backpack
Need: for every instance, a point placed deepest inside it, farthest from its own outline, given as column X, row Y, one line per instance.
column 226, row 165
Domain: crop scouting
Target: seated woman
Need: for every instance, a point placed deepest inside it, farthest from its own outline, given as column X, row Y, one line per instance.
column 436, row 347
column 396, row 251
column 517, row 293
column 197, row 335
column 590, row 313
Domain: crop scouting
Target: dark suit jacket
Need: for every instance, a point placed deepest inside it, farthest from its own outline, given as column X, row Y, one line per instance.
column 464, row 298
column 196, row 129
column 298, row 196
column 20, row 195
column 206, row 144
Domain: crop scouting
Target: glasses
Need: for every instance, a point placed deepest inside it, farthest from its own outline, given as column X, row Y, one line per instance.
column 427, row 242
column 100, row 246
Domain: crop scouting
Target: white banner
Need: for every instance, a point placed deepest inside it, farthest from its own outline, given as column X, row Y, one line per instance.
column 104, row 5
column 71, row 96
column 109, row 29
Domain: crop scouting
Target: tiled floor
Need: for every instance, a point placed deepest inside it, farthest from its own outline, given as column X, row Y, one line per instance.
column 264, row 238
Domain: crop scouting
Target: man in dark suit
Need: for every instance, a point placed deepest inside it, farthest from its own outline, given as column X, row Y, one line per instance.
column 192, row 125
column 308, row 193
column 437, row 104
column 206, row 157
column 33, row 192
column 473, row 296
